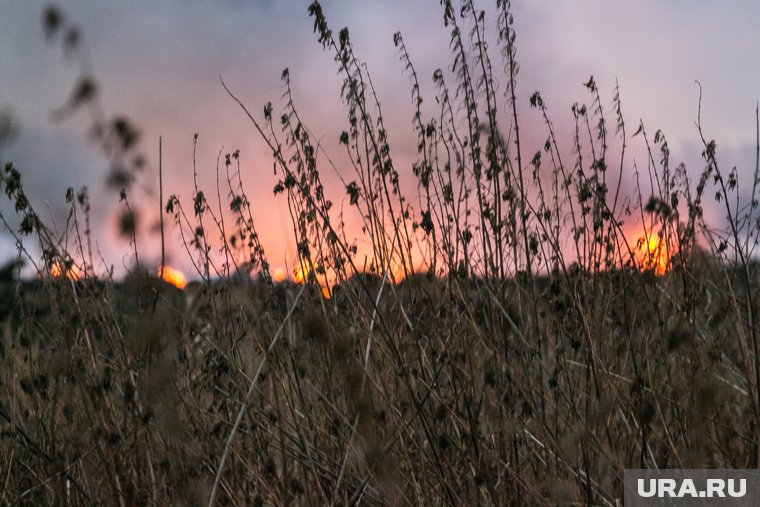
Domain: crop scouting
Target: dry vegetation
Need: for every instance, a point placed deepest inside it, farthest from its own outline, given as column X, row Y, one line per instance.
column 538, row 355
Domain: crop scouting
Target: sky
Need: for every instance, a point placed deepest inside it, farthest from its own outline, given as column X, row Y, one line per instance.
column 159, row 62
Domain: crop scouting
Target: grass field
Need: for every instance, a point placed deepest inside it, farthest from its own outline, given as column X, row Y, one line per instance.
column 503, row 342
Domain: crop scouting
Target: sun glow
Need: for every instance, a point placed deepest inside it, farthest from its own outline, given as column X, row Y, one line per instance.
column 279, row 275
column 301, row 273
column 173, row 276
column 652, row 253
column 57, row 270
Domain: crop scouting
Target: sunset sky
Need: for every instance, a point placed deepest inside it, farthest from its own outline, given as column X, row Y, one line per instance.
column 159, row 62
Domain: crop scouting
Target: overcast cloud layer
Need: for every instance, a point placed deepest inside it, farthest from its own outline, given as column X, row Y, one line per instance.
column 159, row 63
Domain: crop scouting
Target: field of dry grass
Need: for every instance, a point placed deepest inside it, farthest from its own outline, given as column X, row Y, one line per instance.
column 431, row 391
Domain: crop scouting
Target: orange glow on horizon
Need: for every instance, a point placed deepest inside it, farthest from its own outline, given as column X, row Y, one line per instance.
column 397, row 274
column 173, row 276
column 279, row 275
column 57, row 271
column 652, row 254
column 300, row 274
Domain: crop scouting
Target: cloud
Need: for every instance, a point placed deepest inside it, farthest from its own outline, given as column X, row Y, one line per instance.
column 159, row 62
